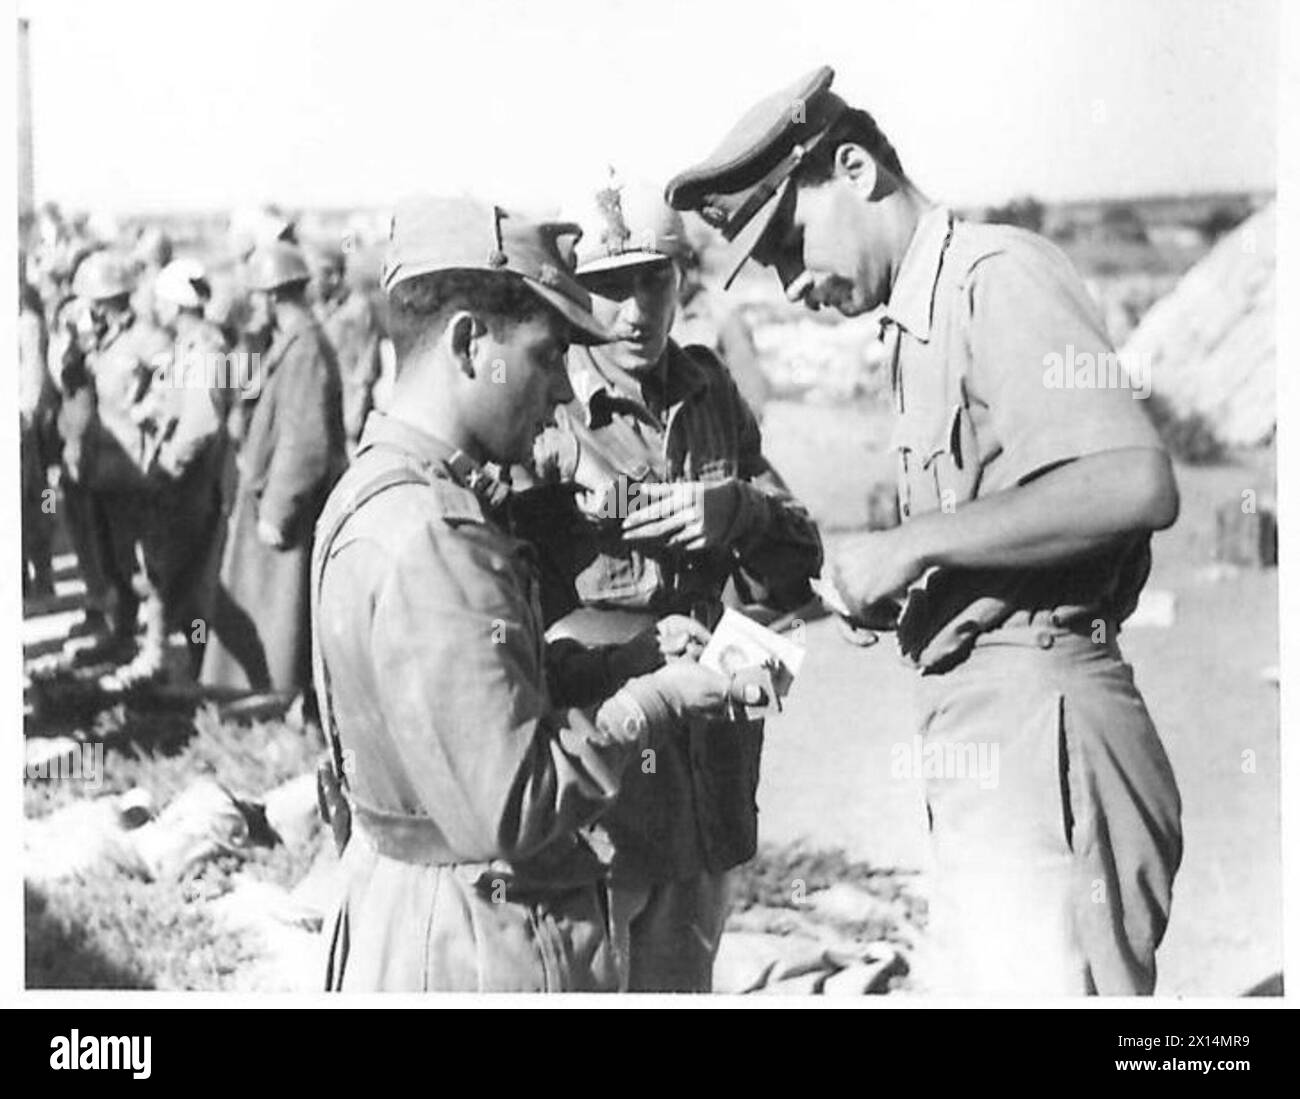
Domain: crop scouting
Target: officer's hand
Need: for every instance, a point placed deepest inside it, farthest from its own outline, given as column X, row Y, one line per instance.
column 690, row 688
column 872, row 572
column 694, row 515
column 270, row 535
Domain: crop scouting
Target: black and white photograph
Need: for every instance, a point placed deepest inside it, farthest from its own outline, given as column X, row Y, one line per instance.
column 666, row 499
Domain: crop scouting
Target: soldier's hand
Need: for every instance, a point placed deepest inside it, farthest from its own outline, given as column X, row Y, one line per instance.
column 690, row 688
column 680, row 637
column 674, row 637
column 693, row 515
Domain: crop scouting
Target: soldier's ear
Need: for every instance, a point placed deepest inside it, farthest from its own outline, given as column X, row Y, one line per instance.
column 858, row 167
column 460, row 336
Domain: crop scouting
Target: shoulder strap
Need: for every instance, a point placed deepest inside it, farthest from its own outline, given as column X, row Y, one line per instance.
column 383, row 479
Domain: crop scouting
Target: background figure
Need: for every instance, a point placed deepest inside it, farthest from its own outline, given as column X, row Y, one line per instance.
column 706, row 319
column 352, row 327
column 185, row 469
column 37, row 402
column 105, row 358
column 292, row 452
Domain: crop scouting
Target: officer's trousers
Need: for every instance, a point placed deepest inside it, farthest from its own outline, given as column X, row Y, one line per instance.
column 667, row 933
column 1055, row 819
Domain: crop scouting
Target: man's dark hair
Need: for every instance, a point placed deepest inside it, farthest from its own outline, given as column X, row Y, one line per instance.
column 859, row 128
column 420, row 307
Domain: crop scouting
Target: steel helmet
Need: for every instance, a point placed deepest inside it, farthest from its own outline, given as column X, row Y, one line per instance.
column 627, row 225
column 276, row 264
column 100, row 276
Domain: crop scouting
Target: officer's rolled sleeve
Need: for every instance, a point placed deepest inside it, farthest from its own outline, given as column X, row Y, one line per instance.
column 1027, row 313
column 455, row 637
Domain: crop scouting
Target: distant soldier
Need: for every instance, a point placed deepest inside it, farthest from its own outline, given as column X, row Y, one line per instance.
column 705, row 319
column 106, row 358
column 188, row 419
column 350, row 322
column 292, row 452
column 37, row 403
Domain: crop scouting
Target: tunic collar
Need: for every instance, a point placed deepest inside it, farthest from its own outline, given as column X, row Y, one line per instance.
column 911, row 302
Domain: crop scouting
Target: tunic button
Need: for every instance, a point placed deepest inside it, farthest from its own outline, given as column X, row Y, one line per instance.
column 1045, row 640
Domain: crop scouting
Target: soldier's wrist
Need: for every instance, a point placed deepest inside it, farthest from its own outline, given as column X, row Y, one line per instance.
column 635, row 709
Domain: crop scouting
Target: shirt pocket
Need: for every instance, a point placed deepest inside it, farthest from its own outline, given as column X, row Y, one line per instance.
column 938, row 459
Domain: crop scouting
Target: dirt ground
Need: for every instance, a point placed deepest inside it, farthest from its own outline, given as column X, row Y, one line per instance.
column 826, row 776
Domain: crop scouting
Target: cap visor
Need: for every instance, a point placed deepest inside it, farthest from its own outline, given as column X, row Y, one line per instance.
column 586, row 328
column 743, row 243
column 618, row 263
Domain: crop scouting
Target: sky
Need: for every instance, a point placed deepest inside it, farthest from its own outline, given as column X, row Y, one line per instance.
column 141, row 105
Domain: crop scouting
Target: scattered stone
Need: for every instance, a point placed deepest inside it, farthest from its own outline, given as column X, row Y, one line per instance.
column 291, row 810
column 73, row 839
column 135, row 807
column 805, row 984
column 50, row 756
column 289, row 955
column 866, row 978
column 745, row 960
column 1212, row 344
column 204, row 820
column 849, row 904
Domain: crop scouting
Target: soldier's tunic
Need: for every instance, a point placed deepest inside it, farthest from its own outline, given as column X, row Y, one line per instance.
column 293, row 452
column 182, row 534
column 352, row 326
column 107, row 449
column 676, row 831
column 465, row 870
column 1056, row 876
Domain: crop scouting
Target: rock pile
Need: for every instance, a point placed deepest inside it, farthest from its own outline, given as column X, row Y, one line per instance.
column 1211, row 345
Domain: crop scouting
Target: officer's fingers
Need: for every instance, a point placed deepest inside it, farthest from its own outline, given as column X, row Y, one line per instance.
column 658, row 528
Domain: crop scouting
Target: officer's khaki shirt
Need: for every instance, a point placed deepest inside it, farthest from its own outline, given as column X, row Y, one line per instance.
column 975, row 314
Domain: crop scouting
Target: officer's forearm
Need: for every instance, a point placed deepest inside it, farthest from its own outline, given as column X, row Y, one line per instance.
column 1066, row 513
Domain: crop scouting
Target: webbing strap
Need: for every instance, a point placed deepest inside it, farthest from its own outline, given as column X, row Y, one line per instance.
column 381, row 482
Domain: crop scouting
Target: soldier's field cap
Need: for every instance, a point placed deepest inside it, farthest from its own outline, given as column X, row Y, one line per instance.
column 462, row 234
column 738, row 188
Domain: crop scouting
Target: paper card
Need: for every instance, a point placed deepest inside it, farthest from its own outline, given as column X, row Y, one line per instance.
column 740, row 644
